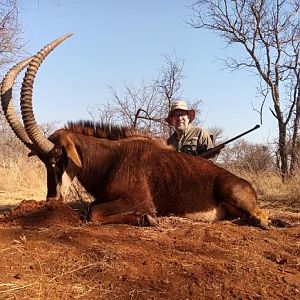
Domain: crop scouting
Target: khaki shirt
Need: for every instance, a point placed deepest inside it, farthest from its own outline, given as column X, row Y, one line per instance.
column 196, row 137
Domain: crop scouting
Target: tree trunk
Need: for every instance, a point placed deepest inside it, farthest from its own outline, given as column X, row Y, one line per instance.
column 283, row 153
column 282, row 142
column 295, row 156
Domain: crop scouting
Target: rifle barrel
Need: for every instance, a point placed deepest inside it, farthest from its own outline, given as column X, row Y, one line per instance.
column 240, row 135
column 213, row 151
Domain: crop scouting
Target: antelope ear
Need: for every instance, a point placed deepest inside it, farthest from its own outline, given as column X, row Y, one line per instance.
column 71, row 150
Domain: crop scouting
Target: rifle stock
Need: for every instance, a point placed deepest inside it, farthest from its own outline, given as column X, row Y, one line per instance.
column 216, row 150
column 212, row 152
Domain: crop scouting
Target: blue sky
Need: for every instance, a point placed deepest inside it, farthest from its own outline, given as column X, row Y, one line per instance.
column 116, row 41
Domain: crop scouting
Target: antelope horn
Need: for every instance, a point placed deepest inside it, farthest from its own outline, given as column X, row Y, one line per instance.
column 7, row 103
column 33, row 131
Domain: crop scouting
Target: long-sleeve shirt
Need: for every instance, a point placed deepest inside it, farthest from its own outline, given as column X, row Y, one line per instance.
column 196, row 138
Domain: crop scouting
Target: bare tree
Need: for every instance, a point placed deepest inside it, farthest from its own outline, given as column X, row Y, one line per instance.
column 216, row 134
column 269, row 33
column 10, row 42
column 147, row 106
column 10, row 46
column 254, row 158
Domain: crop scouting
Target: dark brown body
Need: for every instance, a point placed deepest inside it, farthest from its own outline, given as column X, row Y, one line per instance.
column 138, row 175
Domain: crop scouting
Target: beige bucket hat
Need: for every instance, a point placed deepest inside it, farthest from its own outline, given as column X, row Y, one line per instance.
column 180, row 105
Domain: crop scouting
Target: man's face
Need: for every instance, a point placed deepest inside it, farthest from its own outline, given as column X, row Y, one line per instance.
column 180, row 120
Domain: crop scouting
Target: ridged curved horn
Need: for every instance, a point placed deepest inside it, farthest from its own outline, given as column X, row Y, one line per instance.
column 7, row 103
column 33, row 131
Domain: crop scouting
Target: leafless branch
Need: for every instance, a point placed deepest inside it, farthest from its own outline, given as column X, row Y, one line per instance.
column 269, row 33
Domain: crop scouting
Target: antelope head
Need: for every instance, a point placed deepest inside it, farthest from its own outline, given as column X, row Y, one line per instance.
column 60, row 157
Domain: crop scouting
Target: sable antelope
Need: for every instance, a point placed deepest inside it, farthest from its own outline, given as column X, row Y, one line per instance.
column 129, row 173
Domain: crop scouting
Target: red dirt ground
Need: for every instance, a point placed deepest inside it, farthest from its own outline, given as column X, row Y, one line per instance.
column 49, row 252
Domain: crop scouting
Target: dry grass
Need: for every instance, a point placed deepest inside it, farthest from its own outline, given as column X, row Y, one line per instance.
column 272, row 191
column 23, row 178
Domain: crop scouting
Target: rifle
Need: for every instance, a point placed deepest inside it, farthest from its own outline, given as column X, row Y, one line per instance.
column 213, row 151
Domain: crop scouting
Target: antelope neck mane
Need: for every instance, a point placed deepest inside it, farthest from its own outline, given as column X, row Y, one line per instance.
column 104, row 130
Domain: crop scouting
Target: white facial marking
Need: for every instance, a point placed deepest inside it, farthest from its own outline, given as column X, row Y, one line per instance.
column 66, row 180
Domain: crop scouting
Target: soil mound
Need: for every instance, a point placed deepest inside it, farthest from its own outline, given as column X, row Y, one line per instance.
column 42, row 214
